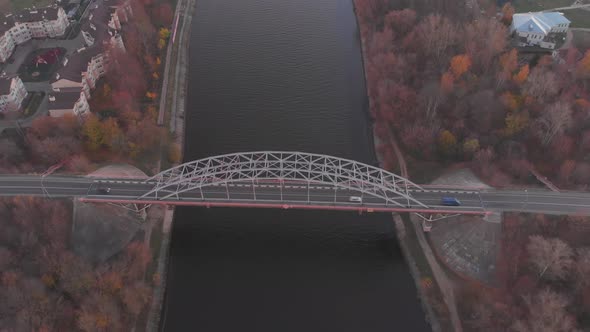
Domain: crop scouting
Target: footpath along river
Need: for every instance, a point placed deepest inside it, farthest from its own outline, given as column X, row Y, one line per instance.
column 282, row 75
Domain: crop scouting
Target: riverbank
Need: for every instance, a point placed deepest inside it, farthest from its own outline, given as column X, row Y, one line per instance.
column 434, row 300
column 172, row 108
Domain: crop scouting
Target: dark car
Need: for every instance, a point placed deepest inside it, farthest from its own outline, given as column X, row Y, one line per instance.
column 450, row 201
column 104, row 191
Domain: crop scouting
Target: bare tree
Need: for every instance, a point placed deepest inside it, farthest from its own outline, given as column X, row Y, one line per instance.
column 541, row 84
column 582, row 268
column 430, row 98
column 551, row 258
column 436, row 34
column 555, row 120
column 484, row 40
column 546, row 313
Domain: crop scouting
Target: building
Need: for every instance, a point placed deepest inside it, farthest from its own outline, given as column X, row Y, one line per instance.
column 48, row 22
column 12, row 93
column 104, row 24
column 68, row 103
column 101, row 35
column 7, row 42
column 81, row 71
column 535, row 28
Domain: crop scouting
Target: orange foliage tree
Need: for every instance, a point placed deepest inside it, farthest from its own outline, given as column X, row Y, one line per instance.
column 522, row 75
column 460, row 64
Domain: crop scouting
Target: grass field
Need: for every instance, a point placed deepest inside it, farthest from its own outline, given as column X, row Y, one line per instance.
column 22, row 4
column 525, row 6
column 581, row 40
column 580, row 18
column 33, row 101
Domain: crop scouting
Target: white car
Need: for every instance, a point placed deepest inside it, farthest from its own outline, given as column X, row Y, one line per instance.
column 355, row 199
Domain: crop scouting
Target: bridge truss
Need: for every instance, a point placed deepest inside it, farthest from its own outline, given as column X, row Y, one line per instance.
column 283, row 168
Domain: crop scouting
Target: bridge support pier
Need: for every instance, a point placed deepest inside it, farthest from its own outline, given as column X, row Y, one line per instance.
column 429, row 218
column 140, row 209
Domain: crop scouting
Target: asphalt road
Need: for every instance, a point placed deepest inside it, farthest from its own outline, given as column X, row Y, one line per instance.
column 297, row 194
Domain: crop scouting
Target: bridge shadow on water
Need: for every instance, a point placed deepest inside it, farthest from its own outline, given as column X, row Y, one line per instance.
column 288, row 270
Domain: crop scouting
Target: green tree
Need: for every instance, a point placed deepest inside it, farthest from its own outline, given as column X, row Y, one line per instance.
column 470, row 146
column 516, row 122
column 164, row 33
column 447, row 142
column 93, row 133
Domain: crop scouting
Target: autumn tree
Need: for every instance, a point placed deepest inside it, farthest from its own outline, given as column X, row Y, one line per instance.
column 551, row 258
column 447, row 82
column 566, row 170
column 484, row 39
column 516, row 122
column 584, row 66
column 554, row 120
column 401, row 21
column 135, row 297
column 546, row 312
column 162, row 15
column 368, row 10
column 507, row 13
column 508, row 64
column 522, row 75
column 582, row 268
column 460, row 64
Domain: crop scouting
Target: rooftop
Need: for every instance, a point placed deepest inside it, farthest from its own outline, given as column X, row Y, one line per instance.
column 539, row 22
column 77, row 63
column 37, row 14
column 5, row 83
column 63, row 100
column 6, row 23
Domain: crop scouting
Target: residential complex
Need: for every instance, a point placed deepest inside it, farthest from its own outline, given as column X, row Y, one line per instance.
column 81, row 71
column 48, row 22
column 536, row 29
column 12, row 93
column 71, row 85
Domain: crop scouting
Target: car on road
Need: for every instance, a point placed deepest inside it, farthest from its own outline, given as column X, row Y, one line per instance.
column 355, row 199
column 104, row 191
column 450, row 201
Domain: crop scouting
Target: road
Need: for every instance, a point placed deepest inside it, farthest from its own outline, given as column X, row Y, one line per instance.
column 298, row 195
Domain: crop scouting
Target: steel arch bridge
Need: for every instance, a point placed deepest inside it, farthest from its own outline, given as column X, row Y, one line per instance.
column 283, row 167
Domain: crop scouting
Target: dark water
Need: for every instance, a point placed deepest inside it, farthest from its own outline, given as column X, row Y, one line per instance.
column 282, row 75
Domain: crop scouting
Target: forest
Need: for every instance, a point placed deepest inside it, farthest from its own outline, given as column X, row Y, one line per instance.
column 45, row 286
column 451, row 89
column 447, row 87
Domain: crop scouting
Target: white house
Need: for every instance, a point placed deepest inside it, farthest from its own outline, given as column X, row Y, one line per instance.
column 535, row 27
column 71, row 102
column 12, row 93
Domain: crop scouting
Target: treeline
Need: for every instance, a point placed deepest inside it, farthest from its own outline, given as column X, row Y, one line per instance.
column 452, row 90
column 542, row 279
column 44, row 286
column 124, row 106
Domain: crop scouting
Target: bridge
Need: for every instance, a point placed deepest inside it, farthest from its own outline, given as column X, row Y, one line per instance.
column 292, row 180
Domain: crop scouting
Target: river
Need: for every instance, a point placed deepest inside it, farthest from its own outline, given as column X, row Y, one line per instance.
column 282, row 75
